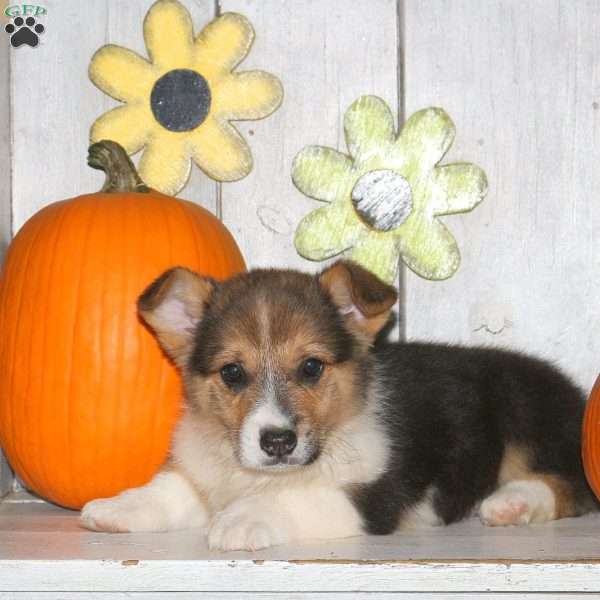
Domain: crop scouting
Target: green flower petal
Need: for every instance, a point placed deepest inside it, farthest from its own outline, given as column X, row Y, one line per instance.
column 327, row 231
column 379, row 253
column 424, row 140
column 429, row 249
column 369, row 128
column 457, row 188
column 322, row 173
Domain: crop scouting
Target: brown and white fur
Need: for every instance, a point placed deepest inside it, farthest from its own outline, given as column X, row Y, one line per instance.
column 297, row 426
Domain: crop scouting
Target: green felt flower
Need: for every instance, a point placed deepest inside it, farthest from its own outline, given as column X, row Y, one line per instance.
column 383, row 199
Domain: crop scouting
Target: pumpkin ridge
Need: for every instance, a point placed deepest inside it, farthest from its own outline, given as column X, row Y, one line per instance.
column 193, row 232
column 121, row 417
column 92, row 211
column 105, row 236
column 44, row 292
column 162, row 374
column 190, row 226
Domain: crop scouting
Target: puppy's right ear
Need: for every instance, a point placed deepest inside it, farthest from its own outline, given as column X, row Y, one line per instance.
column 363, row 299
column 172, row 306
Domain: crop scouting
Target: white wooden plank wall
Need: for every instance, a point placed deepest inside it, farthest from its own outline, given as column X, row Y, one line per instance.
column 327, row 53
column 522, row 82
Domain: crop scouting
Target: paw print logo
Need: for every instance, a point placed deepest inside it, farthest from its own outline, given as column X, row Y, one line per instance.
column 24, row 31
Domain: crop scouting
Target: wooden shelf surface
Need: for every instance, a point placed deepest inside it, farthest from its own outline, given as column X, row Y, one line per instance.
column 43, row 550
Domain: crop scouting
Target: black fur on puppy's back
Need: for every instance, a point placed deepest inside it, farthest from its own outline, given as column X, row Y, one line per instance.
column 452, row 412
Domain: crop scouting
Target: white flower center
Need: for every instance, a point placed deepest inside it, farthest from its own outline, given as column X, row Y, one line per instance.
column 382, row 199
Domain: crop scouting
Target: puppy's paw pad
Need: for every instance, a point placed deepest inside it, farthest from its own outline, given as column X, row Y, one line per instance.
column 505, row 509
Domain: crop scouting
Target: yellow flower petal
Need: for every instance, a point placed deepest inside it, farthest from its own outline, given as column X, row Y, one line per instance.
column 247, row 95
column 169, row 35
column 128, row 125
column 220, row 151
column 122, row 74
column 222, row 45
column 165, row 164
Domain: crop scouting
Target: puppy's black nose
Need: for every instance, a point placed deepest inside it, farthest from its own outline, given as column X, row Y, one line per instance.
column 278, row 442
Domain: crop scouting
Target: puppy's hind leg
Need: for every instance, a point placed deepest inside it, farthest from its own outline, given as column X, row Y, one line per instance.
column 519, row 503
column 527, row 495
column 168, row 501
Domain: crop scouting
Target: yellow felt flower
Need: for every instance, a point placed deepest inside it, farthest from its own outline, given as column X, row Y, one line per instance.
column 179, row 103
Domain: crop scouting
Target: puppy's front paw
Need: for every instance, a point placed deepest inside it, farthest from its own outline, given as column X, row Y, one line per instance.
column 122, row 514
column 245, row 527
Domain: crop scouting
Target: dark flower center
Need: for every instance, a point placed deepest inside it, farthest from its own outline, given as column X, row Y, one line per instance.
column 180, row 100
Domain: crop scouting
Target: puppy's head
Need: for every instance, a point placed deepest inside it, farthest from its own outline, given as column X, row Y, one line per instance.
column 279, row 358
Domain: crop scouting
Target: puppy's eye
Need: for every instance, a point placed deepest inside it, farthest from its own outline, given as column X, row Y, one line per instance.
column 233, row 374
column 312, row 368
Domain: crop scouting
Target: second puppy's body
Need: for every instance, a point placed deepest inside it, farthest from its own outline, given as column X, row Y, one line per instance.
column 296, row 428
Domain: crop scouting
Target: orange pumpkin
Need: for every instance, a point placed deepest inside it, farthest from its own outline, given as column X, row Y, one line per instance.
column 87, row 399
column 591, row 439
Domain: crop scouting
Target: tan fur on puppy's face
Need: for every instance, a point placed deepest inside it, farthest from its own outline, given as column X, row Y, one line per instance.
column 268, row 324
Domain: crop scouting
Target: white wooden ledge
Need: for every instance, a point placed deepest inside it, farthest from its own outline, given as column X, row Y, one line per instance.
column 43, row 552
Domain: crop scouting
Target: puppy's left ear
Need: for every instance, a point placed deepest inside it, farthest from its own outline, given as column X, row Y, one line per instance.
column 363, row 299
column 172, row 306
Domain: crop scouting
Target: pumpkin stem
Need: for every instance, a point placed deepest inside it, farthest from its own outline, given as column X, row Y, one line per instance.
column 121, row 174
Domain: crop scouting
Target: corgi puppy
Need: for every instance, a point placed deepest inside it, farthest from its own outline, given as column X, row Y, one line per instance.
column 297, row 425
